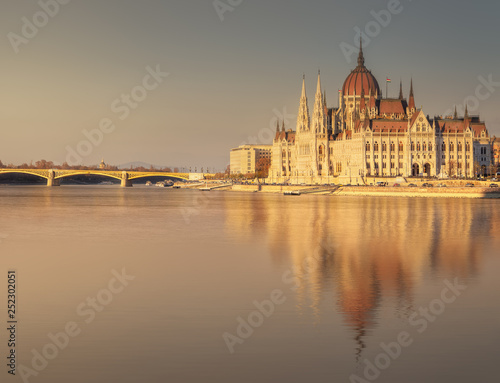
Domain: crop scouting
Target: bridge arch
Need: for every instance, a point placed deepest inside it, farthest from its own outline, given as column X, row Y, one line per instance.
column 33, row 173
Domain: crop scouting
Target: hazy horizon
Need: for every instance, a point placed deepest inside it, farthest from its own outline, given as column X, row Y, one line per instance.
column 226, row 74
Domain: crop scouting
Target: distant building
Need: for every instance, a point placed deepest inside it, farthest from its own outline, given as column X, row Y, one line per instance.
column 102, row 165
column 496, row 152
column 244, row 159
column 368, row 135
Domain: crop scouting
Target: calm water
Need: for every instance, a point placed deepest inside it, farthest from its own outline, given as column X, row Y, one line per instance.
column 347, row 275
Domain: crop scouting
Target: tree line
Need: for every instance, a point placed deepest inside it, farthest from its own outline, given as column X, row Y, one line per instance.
column 43, row 164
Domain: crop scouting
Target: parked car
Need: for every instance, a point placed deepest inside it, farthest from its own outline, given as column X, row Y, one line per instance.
column 412, row 186
column 441, row 185
column 427, row 185
column 396, row 185
column 493, row 185
column 381, row 183
column 469, row 185
column 494, row 179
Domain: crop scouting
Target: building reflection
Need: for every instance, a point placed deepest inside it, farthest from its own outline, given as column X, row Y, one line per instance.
column 364, row 250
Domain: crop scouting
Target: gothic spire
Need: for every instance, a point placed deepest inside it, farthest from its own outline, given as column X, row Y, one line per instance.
column 401, row 89
column 411, row 104
column 361, row 59
column 466, row 112
column 318, row 86
column 278, row 125
column 283, row 125
column 303, row 114
column 303, row 95
column 362, row 104
column 455, row 115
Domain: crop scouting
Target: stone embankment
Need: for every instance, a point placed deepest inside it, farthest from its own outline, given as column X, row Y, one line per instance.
column 454, row 189
column 404, row 191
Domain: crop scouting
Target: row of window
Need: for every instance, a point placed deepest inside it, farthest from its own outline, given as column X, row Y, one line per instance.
column 420, row 146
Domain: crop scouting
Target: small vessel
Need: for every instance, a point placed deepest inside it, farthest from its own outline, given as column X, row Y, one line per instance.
column 292, row 192
column 160, row 184
column 206, row 188
column 149, row 183
column 176, row 186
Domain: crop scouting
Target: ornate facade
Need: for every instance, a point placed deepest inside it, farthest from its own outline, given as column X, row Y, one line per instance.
column 368, row 135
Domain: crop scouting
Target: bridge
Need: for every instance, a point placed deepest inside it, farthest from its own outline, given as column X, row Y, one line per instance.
column 54, row 176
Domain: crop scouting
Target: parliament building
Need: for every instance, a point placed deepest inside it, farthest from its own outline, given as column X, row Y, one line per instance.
column 368, row 135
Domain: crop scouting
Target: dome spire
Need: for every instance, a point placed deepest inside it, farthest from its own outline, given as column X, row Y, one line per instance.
column 361, row 58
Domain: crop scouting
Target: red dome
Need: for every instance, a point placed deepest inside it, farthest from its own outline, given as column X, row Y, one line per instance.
column 360, row 79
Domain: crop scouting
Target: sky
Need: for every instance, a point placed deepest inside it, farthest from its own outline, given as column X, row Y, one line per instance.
column 181, row 82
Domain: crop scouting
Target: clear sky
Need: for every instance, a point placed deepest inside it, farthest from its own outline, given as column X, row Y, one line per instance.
column 231, row 70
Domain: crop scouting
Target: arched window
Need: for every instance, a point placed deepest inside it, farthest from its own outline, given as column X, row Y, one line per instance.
column 375, row 146
column 412, row 145
column 443, row 147
column 384, row 146
column 424, row 146
column 393, row 146
column 320, row 150
column 367, row 146
column 430, row 146
column 467, row 147
column 418, row 146
column 452, row 147
column 401, row 148
column 459, row 146
column 418, row 127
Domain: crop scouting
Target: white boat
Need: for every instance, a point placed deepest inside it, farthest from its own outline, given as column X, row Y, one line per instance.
column 206, row 188
column 149, row 183
column 292, row 192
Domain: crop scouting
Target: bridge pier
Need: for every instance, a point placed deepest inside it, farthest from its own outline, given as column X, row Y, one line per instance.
column 126, row 183
column 51, row 181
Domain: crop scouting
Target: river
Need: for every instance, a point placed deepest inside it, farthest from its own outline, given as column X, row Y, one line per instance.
column 149, row 284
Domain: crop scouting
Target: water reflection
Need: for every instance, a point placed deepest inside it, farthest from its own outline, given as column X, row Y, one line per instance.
column 366, row 250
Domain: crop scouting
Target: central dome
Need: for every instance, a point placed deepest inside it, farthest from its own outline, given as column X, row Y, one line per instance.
column 360, row 79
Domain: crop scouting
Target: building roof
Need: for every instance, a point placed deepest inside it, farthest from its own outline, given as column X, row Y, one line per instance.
column 392, row 106
column 360, row 79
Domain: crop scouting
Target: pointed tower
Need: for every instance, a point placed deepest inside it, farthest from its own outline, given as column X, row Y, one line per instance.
column 319, row 115
column 362, row 104
column 466, row 117
column 303, row 115
column 361, row 57
column 401, row 89
column 455, row 115
column 283, row 126
column 411, row 104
